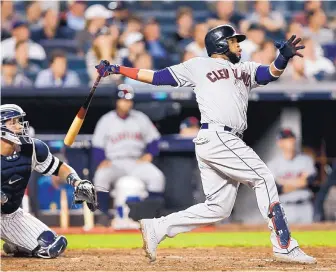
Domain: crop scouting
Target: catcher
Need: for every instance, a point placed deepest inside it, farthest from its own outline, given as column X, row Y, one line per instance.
column 25, row 235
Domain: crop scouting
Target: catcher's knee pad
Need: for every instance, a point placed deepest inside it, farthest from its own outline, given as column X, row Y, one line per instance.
column 50, row 245
column 127, row 189
column 280, row 224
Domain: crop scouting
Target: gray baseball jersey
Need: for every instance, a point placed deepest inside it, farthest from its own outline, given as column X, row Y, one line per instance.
column 124, row 138
column 222, row 88
column 288, row 169
column 225, row 161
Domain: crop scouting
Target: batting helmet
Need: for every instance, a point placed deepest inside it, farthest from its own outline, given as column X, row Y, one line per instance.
column 216, row 39
column 125, row 91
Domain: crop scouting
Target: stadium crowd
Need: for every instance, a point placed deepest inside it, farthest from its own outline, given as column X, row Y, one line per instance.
column 57, row 43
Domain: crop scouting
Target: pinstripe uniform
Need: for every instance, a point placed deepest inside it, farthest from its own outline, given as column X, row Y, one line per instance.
column 17, row 226
column 222, row 90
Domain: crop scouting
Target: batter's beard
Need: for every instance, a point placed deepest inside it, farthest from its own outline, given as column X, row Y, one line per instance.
column 233, row 57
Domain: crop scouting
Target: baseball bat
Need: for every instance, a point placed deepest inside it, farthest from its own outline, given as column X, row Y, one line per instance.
column 79, row 119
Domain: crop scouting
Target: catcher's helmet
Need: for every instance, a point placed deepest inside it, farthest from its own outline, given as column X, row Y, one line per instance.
column 125, row 91
column 216, row 39
column 12, row 111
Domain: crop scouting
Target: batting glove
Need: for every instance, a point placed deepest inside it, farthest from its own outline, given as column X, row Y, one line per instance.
column 104, row 68
column 288, row 49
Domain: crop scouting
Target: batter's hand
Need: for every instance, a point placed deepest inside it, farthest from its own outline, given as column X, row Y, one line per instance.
column 104, row 68
column 289, row 49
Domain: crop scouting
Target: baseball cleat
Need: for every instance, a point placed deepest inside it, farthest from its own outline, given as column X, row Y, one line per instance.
column 13, row 250
column 296, row 255
column 10, row 248
column 150, row 243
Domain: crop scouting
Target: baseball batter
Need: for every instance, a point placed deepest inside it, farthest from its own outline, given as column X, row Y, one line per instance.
column 25, row 235
column 125, row 142
column 222, row 85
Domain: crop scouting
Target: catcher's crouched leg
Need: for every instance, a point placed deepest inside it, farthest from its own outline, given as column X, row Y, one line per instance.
column 50, row 245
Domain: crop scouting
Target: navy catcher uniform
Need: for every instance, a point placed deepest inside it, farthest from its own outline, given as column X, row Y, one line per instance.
column 25, row 235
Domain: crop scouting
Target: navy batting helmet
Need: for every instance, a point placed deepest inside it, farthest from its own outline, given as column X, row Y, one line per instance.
column 125, row 91
column 216, row 39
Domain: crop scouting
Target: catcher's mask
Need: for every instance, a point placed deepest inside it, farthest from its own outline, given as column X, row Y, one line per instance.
column 13, row 126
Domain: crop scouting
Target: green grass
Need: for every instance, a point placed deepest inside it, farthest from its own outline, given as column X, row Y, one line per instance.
column 229, row 239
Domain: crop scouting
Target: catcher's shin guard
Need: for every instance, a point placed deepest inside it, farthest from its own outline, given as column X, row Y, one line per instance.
column 280, row 225
column 50, row 245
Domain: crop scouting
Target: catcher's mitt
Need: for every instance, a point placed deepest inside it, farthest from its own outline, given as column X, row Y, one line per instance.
column 85, row 191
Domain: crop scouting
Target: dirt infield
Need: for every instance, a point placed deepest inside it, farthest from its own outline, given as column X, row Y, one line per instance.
column 188, row 259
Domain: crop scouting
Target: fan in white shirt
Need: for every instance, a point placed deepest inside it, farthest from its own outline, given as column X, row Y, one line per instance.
column 21, row 32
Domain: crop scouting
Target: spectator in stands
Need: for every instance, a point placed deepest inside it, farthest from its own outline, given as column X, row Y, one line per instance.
column 294, row 172
column 187, row 55
column 295, row 28
column 255, row 38
column 134, row 25
column 23, row 64
column 316, row 30
column 135, row 46
column 57, row 75
column 309, row 6
column 272, row 21
column 8, row 17
column 316, row 66
column 269, row 52
column 33, row 15
column 95, row 19
column 50, row 28
column 120, row 12
column 10, row 75
column 75, row 16
column 184, row 24
column 295, row 72
column 104, row 46
column 154, row 44
column 225, row 14
column 21, row 33
column 143, row 61
column 197, row 47
column 189, row 127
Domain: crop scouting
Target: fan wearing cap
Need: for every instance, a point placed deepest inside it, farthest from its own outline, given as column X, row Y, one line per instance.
column 96, row 17
column 294, row 172
column 20, row 32
column 125, row 141
column 135, row 46
column 10, row 75
column 75, row 16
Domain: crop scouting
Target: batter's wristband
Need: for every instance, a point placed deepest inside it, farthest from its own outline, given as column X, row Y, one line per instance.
column 72, row 178
column 280, row 62
column 129, row 72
